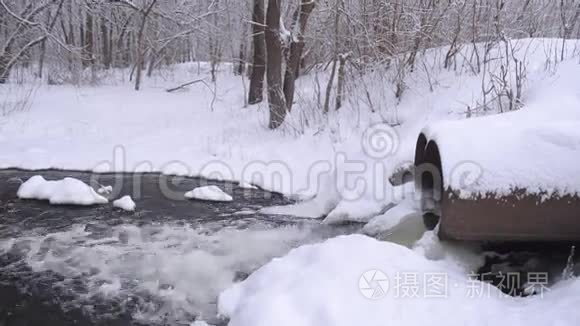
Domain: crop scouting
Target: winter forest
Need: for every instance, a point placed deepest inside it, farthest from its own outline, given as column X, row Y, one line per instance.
column 289, row 162
column 80, row 42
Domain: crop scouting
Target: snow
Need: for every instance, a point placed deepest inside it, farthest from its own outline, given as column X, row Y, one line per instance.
column 212, row 193
column 320, row 285
column 247, row 185
column 105, row 190
column 125, row 203
column 393, row 217
column 355, row 211
column 463, row 257
column 325, row 200
column 517, row 150
column 328, row 161
column 332, row 163
column 68, row 191
column 199, row 323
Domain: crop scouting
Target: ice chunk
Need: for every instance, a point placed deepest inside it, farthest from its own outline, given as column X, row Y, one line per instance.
column 68, row 191
column 105, row 190
column 35, row 188
column 361, row 210
column 211, row 193
column 390, row 219
column 247, row 185
column 125, row 203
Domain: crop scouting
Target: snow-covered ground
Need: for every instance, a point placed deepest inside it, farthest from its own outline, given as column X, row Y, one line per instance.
column 344, row 159
column 340, row 163
column 357, row 280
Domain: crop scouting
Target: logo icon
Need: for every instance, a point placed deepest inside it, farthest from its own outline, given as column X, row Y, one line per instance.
column 373, row 284
column 380, row 141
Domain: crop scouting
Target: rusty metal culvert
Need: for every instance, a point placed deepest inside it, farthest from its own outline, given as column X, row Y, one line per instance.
column 519, row 215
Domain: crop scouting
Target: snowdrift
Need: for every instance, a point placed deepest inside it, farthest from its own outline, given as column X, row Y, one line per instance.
column 313, row 285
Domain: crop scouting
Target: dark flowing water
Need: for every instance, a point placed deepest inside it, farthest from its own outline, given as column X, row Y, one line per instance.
column 163, row 264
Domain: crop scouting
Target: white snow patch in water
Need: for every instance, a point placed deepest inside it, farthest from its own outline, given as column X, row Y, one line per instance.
column 125, row 203
column 68, row 191
column 245, row 212
column 105, row 190
column 212, row 193
column 199, row 323
column 247, row 185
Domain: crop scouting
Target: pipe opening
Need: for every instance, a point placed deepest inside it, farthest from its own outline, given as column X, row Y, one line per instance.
column 430, row 177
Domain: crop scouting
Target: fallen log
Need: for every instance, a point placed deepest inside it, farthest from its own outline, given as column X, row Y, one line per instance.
column 184, row 85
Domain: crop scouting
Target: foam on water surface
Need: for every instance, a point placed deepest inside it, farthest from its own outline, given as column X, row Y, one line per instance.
column 160, row 273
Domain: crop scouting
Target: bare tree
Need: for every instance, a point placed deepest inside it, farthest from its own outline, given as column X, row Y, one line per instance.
column 568, row 24
column 12, row 51
column 296, row 49
column 276, row 99
column 259, row 59
column 140, row 50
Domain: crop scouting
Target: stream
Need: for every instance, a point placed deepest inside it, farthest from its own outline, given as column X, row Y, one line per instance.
column 164, row 264
column 167, row 262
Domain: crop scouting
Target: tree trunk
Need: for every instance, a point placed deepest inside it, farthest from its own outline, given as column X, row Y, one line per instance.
column 4, row 71
column 51, row 22
column 42, row 53
column 71, row 35
column 242, row 56
column 259, row 60
column 82, row 35
column 340, row 83
column 276, row 98
column 105, row 44
column 140, row 52
column 215, row 50
column 290, row 74
column 329, row 87
column 89, row 40
column 152, row 60
column 296, row 49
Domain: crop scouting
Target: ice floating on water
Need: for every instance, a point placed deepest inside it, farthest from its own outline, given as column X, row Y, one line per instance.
column 105, row 190
column 391, row 218
column 125, row 203
column 212, row 193
column 199, row 323
column 247, row 185
column 68, row 191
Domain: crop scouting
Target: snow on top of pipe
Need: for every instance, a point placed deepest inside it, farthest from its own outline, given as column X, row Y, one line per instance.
column 536, row 149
